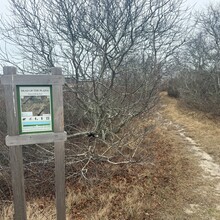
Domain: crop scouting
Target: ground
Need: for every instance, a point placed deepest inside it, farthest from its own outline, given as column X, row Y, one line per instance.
column 201, row 140
column 176, row 178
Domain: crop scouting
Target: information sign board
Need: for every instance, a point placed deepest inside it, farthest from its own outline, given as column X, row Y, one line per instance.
column 35, row 109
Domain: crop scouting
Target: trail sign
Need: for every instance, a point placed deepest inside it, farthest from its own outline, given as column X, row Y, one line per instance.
column 35, row 109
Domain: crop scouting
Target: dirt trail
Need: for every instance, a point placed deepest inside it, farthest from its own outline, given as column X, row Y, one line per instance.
column 201, row 139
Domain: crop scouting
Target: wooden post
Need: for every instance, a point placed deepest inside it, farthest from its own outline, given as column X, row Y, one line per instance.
column 57, row 91
column 11, row 83
column 15, row 152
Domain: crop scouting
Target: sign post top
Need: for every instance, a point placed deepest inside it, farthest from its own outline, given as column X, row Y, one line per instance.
column 9, row 70
column 56, row 71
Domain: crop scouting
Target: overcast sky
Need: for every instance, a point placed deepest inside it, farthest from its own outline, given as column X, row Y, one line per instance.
column 198, row 4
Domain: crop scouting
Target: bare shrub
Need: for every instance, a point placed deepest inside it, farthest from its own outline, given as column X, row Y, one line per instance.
column 114, row 51
column 199, row 69
column 173, row 90
column 199, row 90
column 113, row 54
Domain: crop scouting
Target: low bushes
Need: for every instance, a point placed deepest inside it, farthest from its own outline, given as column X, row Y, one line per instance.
column 199, row 90
column 172, row 88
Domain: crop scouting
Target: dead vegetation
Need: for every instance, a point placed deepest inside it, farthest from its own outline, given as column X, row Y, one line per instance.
column 202, row 127
column 156, row 187
column 198, row 131
column 164, row 183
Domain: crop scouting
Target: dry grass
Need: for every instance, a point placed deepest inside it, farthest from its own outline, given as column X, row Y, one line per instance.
column 38, row 209
column 158, row 187
column 202, row 127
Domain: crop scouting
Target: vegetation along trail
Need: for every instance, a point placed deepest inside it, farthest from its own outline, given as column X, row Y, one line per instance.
column 197, row 134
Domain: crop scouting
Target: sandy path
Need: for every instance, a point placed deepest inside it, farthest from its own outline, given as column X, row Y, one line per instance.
column 199, row 134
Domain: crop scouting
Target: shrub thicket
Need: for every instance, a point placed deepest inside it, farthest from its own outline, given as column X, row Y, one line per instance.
column 200, row 90
column 172, row 88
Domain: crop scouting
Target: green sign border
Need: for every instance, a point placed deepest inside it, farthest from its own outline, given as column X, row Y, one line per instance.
column 19, row 109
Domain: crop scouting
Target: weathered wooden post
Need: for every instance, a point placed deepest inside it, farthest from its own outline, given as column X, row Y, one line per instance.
column 57, row 91
column 42, row 123
column 15, row 152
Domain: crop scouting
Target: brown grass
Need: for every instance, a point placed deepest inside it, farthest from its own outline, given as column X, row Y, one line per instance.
column 38, row 209
column 140, row 191
column 202, row 127
column 158, row 187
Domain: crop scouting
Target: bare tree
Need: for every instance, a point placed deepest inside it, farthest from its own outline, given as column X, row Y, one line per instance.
column 200, row 77
column 113, row 53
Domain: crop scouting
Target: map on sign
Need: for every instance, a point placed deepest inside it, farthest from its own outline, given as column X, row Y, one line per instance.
column 35, row 109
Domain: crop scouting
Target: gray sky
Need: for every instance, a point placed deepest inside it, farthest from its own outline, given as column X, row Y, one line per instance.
column 196, row 4
column 3, row 6
column 199, row 4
